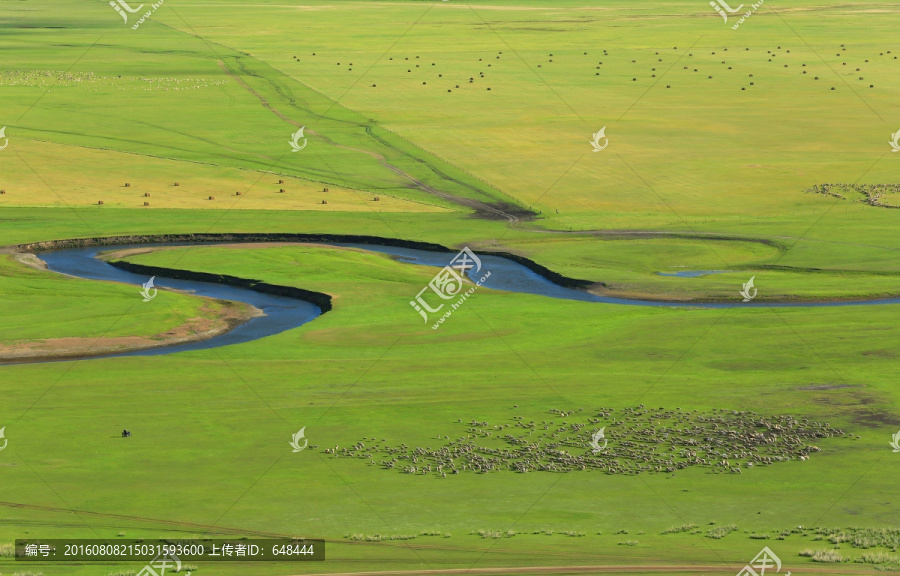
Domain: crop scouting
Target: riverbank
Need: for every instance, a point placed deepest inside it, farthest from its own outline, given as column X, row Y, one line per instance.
column 217, row 317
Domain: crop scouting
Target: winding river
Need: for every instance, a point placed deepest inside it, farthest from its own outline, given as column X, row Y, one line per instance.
column 284, row 313
column 281, row 312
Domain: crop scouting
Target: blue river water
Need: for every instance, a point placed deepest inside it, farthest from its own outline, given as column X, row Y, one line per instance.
column 284, row 313
column 281, row 312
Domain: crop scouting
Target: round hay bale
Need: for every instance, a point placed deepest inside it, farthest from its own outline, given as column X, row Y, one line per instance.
column 237, row 193
column 212, row 197
column 127, row 185
column 100, row 203
column 146, row 203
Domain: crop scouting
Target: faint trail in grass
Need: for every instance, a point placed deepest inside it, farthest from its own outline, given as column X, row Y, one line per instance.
column 477, row 205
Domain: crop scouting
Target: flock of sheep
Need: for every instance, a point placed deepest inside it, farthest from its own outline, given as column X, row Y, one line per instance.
column 872, row 194
column 633, row 440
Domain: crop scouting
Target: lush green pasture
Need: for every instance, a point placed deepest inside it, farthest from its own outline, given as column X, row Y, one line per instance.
column 369, row 367
column 35, row 300
column 207, row 94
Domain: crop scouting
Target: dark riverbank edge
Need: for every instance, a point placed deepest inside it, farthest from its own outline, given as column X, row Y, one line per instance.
column 278, row 237
column 323, row 301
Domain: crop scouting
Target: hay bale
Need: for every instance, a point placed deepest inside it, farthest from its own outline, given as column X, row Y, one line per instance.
column 127, row 185
column 146, row 203
column 324, row 201
column 146, row 194
column 212, row 197
column 100, row 203
column 281, row 181
column 281, row 190
column 176, row 184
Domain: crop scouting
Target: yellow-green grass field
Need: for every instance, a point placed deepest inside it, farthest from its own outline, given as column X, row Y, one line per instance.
column 52, row 175
column 715, row 137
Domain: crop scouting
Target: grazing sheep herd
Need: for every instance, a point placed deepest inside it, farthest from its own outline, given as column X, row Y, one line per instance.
column 872, row 194
column 636, row 440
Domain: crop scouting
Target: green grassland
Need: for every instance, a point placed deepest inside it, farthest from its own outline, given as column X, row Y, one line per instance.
column 366, row 368
column 699, row 175
column 78, row 311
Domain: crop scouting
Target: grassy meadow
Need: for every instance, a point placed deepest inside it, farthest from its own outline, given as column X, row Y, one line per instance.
column 445, row 111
